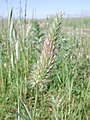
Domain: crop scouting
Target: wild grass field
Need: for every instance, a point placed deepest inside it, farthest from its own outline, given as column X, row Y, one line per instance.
column 45, row 69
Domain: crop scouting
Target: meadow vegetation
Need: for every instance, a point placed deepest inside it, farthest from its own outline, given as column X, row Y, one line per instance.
column 45, row 69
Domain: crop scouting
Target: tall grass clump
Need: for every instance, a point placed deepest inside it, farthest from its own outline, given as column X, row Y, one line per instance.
column 40, row 75
column 44, row 69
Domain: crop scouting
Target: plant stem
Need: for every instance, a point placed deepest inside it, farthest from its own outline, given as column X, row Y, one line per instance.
column 35, row 105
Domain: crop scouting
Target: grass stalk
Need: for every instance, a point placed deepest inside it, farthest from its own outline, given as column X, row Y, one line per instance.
column 35, row 105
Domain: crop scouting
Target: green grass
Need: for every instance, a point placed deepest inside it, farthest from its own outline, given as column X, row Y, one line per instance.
column 77, row 22
column 44, row 70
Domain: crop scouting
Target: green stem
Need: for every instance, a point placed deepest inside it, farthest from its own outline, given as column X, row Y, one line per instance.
column 36, row 97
